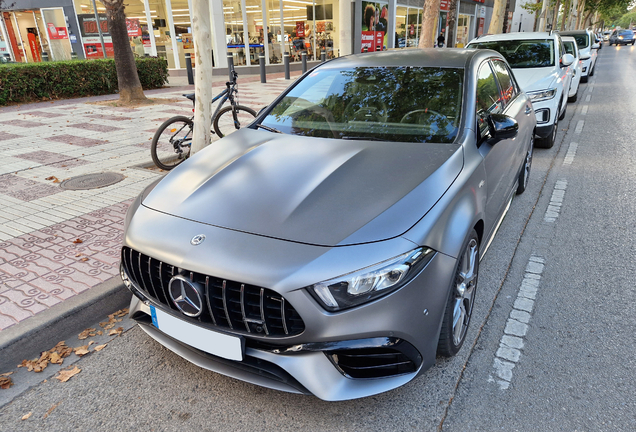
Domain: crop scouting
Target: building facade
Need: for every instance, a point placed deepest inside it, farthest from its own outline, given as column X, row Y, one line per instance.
column 241, row 29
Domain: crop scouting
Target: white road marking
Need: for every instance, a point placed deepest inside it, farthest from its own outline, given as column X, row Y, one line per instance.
column 587, row 98
column 579, row 126
column 511, row 343
column 569, row 156
column 584, row 109
column 590, row 89
column 554, row 208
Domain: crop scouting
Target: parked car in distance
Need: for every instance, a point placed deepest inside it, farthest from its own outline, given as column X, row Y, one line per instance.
column 622, row 37
column 542, row 69
column 332, row 247
column 606, row 35
column 588, row 50
column 571, row 48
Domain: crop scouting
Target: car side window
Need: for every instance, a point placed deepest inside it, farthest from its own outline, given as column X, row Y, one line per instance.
column 489, row 100
column 508, row 90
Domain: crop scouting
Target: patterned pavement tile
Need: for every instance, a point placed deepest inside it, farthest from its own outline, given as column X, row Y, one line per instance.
column 43, row 114
column 23, row 123
column 43, row 157
column 34, row 192
column 107, row 117
column 94, row 127
column 8, row 136
column 75, row 140
column 70, row 163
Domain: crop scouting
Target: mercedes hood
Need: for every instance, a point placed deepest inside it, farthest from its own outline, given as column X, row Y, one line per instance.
column 316, row 191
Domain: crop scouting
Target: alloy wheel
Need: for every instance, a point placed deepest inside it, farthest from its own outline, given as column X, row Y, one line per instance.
column 464, row 296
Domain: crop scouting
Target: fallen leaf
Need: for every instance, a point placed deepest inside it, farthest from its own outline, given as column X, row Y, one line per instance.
column 86, row 333
column 91, row 343
column 26, row 416
column 100, row 347
column 116, row 331
column 56, row 358
column 78, row 255
column 6, row 374
column 67, row 374
column 51, row 410
column 84, row 259
column 5, row 382
column 82, row 351
column 77, row 241
column 99, row 332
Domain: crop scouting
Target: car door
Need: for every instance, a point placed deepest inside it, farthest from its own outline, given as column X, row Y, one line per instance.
column 499, row 156
column 565, row 72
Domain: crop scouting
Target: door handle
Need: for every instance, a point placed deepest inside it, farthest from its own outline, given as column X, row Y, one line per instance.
column 528, row 110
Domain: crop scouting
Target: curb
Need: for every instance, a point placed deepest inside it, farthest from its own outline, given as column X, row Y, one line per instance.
column 26, row 339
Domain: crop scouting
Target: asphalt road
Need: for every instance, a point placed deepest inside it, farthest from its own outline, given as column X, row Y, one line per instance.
column 574, row 371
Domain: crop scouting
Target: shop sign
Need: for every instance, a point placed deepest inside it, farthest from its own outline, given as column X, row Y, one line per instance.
column 375, row 23
column 88, row 25
column 56, row 32
column 132, row 25
column 480, row 28
column 482, row 12
column 444, row 5
column 300, row 29
column 372, row 40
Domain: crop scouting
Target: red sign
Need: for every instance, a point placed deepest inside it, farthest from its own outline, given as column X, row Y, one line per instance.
column 300, row 29
column 132, row 25
column 480, row 29
column 56, row 32
column 444, row 5
column 480, row 1
column 372, row 40
column 35, row 49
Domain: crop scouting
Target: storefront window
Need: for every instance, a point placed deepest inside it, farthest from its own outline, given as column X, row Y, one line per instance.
column 400, row 27
column 56, row 33
column 27, row 35
column 234, row 31
column 254, row 13
column 463, row 26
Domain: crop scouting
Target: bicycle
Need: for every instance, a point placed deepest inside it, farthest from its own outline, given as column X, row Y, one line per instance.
column 172, row 141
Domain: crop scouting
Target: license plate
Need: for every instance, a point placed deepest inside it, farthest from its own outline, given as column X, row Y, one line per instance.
column 218, row 344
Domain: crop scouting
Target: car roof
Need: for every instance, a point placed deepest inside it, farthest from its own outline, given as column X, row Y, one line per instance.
column 418, row 57
column 575, row 32
column 514, row 36
column 568, row 39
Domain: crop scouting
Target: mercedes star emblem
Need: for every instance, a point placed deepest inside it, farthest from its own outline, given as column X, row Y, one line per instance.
column 186, row 296
column 197, row 239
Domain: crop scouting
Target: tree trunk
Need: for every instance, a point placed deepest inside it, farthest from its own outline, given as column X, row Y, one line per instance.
column 496, row 23
column 566, row 14
column 451, row 19
column 429, row 24
column 130, row 90
column 504, row 27
column 203, row 79
column 579, row 21
column 555, row 19
column 543, row 16
column 573, row 16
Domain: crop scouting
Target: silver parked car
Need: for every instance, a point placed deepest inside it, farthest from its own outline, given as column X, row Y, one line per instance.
column 332, row 247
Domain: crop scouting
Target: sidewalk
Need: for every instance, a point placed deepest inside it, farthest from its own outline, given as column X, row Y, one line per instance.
column 55, row 243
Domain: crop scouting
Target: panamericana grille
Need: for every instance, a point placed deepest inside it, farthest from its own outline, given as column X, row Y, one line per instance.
column 229, row 305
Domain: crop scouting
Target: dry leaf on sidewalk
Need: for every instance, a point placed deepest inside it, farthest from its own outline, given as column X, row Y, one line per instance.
column 77, row 241
column 82, row 351
column 67, row 374
column 86, row 333
column 55, row 179
column 26, row 416
column 5, row 382
column 54, row 355
column 51, row 410
column 100, row 347
column 118, row 331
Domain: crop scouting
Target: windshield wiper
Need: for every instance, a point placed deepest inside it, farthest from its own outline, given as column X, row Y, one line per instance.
column 359, row 138
column 267, row 128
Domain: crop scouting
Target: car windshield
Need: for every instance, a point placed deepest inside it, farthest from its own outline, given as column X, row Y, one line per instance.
column 529, row 53
column 626, row 33
column 405, row 104
column 582, row 40
column 569, row 48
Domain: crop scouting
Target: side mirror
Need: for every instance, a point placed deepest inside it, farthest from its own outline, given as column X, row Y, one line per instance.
column 502, row 126
column 567, row 59
column 596, row 46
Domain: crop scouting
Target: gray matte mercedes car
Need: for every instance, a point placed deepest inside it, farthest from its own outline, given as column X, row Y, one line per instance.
column 332, row 247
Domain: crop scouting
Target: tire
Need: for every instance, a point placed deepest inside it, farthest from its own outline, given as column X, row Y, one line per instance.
column 593, row 69
column 461, row 298
column 171, row 143
column 565, row 110
column 524, row 174
column 224, row 121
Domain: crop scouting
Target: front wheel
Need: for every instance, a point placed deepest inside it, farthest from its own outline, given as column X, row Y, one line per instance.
column 461, row 299
column 171, row 143
column 224, row 123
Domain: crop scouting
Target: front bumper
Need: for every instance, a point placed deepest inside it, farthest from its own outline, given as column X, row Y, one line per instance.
column 303, row 362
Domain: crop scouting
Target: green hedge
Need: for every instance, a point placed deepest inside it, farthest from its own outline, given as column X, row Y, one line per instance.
column 34, row 82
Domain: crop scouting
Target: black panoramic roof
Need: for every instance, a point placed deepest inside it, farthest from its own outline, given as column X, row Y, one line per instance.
column 429, row 57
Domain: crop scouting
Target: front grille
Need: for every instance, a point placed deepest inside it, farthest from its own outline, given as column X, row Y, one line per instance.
column 377, row 362
column 229, row 305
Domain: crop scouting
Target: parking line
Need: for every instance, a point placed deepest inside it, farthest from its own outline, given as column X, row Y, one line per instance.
column 556, row 200
column 579, row 126
column 511, row 343
column 587, row 98
column 584, row 109
column 569, row 156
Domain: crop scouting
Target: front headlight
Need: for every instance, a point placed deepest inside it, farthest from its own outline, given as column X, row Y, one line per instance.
column 542, row 95
column 364, row 285
column 620, row 37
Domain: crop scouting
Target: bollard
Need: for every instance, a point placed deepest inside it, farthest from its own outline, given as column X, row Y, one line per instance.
column 286, row 61
column 303, row 55
column 366, row 49
column 45, row 56
column 323, row 56
column 188, row 59
column 261, row 63
column 230, row 66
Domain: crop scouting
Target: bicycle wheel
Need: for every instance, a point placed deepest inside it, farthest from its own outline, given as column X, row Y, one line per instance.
column 171, row 143
column 224, row 121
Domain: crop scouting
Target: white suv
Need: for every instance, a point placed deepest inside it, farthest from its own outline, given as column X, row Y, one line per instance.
column 588, row 50
column 542, row 69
